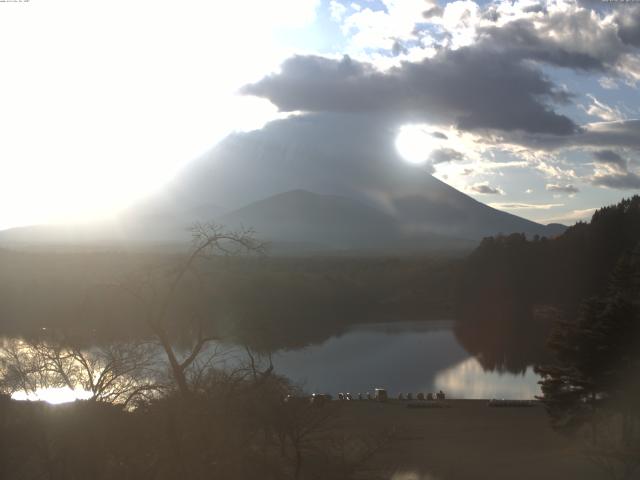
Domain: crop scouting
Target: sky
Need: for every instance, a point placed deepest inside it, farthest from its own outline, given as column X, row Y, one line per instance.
column 529, row 106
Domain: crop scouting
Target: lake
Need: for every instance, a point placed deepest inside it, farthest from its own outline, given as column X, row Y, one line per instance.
column 401, row 357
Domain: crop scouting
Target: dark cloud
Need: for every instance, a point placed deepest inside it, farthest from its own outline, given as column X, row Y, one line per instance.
column 621, row 134
column 444, row 155
column 491, row 14
column 623, row 179
column 570, row 189
column 398, row 48
column 620, row 181
column 495, row 87
column 624, row 133
column 494, row 84
column 611, row 158
column 628, row 21
column 486, row 189
column 538, row 8
column 520, row 40
column 471, row 87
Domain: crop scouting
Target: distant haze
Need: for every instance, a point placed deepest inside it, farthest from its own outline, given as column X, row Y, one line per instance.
column 297, row 182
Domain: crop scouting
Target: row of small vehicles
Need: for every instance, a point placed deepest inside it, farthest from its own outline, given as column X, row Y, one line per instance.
column 378, row 394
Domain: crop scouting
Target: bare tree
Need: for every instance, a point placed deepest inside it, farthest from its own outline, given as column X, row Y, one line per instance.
column 299, row 427
column 117, row 373
column 209, row 240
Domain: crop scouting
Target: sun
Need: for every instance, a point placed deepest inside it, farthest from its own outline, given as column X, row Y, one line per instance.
column 415, row 144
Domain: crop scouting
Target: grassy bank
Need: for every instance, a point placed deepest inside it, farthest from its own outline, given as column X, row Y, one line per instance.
column 246, row 436
column 467, row 440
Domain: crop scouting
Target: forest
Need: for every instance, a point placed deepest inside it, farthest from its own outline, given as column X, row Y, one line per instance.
column 511, row 289
column 269, row 302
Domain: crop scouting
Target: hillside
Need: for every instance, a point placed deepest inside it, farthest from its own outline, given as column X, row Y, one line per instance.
column 304, row 193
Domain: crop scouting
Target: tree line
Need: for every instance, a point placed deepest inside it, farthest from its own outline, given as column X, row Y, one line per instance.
column 573, row 302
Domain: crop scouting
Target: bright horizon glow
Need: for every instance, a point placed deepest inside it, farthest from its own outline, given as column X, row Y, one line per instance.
column 415, row 144
column 54, row 396
column 102, row 102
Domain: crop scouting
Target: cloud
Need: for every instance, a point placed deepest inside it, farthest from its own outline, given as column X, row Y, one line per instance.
column 371, row 27
column 608, row 83
column 490, row 82
column 618, row 176
column 611, row 158
column 444, row 155
column 443, row 89
column 337, row 10
column 622, row 134
column 525, row 206
column 572, row 217
column 570, row 189
column 567, row 34
column 522, row 39
column 458, row 85
column 619, row 181
column 602, row 111
column 486, row 189
column 628, row 22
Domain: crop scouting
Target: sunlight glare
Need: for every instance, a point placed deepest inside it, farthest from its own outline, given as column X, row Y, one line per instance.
column 415, row 144
column 122, row 94
column 54, row 396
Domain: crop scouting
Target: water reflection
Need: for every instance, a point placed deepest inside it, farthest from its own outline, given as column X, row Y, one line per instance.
column 399, row 356
column 469, row 380
column 402, row 357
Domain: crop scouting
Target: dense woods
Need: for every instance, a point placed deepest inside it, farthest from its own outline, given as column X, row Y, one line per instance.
column 572, row 305
column 268, row 302
column 511, row 289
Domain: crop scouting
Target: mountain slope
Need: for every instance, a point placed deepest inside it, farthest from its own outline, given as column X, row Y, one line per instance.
column 300, row 155
column 367, row 198
column 331, row 222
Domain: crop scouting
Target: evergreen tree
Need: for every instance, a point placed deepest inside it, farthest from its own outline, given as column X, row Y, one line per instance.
column 594, row 382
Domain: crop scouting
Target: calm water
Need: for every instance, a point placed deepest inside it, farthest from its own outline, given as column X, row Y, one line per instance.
column 402, row 357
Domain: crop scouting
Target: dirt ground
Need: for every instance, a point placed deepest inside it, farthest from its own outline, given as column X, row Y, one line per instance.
column 467, row 440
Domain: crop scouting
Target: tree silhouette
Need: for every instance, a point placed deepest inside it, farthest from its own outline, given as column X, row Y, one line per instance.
column 593, row 382
column 158, row 298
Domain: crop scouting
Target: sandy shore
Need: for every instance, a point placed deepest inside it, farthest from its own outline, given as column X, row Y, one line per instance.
column 467, row 440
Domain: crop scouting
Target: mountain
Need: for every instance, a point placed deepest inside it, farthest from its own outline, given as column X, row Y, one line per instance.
column 298, row 183
column 300, row 155
column 301, row 220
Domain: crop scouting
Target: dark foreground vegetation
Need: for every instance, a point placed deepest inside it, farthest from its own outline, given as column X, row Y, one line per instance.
column 231, row 427
column 225, row 438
